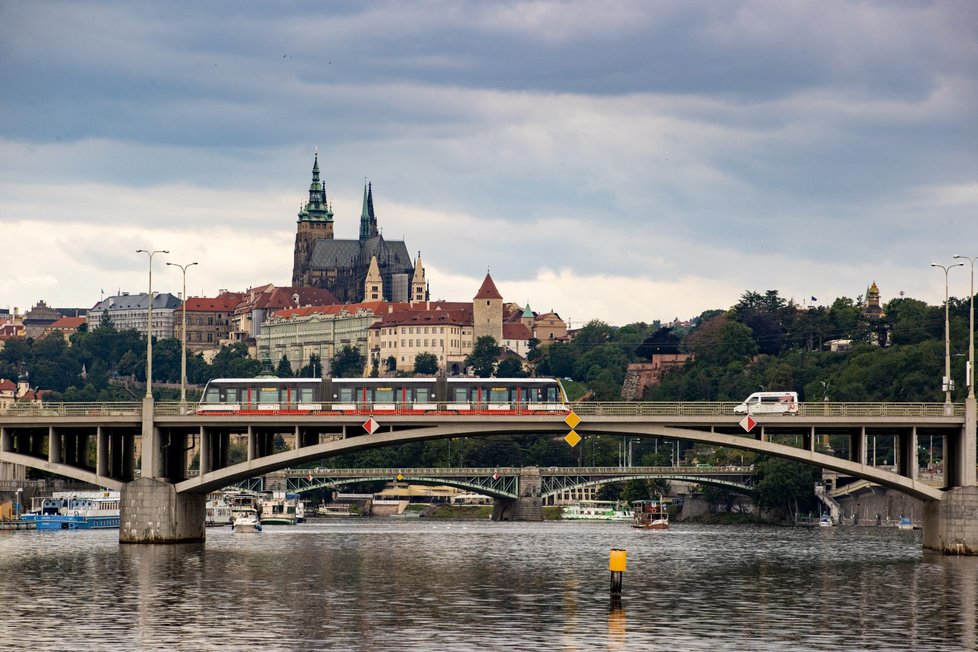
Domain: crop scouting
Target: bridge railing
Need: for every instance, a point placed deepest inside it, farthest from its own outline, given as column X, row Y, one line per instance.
column 115, row 409
column 606, row 408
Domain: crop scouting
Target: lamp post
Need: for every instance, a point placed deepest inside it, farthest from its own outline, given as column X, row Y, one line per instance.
column 149, row 321
column 947, row 337
column 183, row 338
column 971, row 330
column 17, row 506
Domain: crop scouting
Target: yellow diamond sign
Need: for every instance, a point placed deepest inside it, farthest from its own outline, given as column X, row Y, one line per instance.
column 572, row 438
column 572, row 420
column 399, row 477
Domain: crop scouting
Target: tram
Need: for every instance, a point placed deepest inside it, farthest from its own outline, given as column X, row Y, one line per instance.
column 446, row 395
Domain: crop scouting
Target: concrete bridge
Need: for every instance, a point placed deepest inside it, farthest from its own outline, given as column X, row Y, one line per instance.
column 163, row 503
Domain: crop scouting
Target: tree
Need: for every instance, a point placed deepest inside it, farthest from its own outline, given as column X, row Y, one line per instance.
column 510, row 368
column 784, row 487
column 426, row 363
column 348, row 363
column 284, row 368
column 483, row 356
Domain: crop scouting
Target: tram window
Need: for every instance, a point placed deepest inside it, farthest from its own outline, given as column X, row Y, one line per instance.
column 421, row 395
column 499, row 394
column 213, row 395
column 268, row 395
column 384, row 395
column 304, row 394
column 346, row 394
column 461, row 395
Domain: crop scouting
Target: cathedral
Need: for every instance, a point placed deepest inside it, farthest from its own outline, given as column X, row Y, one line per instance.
column 369, row 268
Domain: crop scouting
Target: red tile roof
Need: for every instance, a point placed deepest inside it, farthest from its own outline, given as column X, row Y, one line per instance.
column 516, row 332
column 66, row 323
column 222, row 303
column 488, row 290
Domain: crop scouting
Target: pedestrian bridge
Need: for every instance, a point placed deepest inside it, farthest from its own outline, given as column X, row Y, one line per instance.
column 98, row 443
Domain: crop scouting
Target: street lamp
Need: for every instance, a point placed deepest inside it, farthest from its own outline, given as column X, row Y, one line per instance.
column 971, row 330
column 149, row 321
column 183, row 339
column 947, row 337
column 17, row 507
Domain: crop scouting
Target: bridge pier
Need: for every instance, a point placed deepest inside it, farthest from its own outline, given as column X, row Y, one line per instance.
column 528, row 506
column 951, row 525
column 153, row 512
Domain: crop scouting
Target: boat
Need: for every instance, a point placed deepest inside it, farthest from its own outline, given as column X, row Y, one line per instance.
column 905, row 523
column 246, row 523
column 595, row 510
column 77, row 510
column 825, row 521
column 280, row 511
column 218, row 510
column 335, row 509
column 650, row 515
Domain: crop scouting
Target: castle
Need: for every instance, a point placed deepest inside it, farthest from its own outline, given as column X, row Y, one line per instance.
column 370, row 268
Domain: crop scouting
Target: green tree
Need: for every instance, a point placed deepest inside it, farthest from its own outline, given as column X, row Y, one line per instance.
column 426, row 364
column 510, row 368
column 483, row 356
column 348, row 362
column 785, row 487
column 284, row 368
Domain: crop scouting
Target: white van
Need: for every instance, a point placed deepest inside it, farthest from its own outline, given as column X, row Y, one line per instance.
column 769, row 403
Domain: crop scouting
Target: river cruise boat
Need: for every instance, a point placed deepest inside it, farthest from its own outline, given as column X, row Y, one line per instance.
column 76, row 510
column 595, row 510
column 650, row 515
column 905, row 523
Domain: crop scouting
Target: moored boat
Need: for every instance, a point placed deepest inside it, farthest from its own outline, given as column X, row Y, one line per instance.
column 905, row 523
column 80, row 510
column 595, row 510
column 650, row 514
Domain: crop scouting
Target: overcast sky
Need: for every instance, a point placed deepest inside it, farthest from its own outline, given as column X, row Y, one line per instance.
column 622, row 161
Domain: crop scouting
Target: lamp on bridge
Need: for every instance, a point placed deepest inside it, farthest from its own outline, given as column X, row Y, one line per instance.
column 948, row 383
column 183, row 339
column 970, row 376
column 149, row 321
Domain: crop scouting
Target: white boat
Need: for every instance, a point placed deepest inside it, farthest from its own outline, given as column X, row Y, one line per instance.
column 280, row 511
column 825, row 521
column 246, row 523
column 905, row 523
column 595, row 510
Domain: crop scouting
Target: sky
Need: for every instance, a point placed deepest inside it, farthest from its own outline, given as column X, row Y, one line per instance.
column 622, row 161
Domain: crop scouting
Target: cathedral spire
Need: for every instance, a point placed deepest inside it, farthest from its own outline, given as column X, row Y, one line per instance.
column 365, row 215
column 317, row 209
column 370, row 210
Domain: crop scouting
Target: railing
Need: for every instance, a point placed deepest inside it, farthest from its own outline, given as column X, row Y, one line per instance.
column 610, row 409
column 118, row 409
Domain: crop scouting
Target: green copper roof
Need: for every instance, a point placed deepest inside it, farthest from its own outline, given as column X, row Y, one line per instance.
column 317, row 208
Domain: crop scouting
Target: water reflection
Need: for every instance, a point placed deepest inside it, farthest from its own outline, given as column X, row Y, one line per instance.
column 376, row 584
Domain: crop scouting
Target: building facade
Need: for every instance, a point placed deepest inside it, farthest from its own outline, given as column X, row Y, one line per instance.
column 208, row 320
column 129, row 312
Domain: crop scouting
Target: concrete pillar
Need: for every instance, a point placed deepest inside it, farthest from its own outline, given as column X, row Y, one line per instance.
column 529, row 505
column 969, row 446
column 101, row 452
column 857, row 446
column 6, row 441
column 54, row 446
column 153, row 512
column 151, row 443
column 252, row 454
column 951, row 525
column 205, row 451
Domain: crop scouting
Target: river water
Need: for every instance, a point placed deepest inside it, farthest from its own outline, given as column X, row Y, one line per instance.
column 417, row 584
